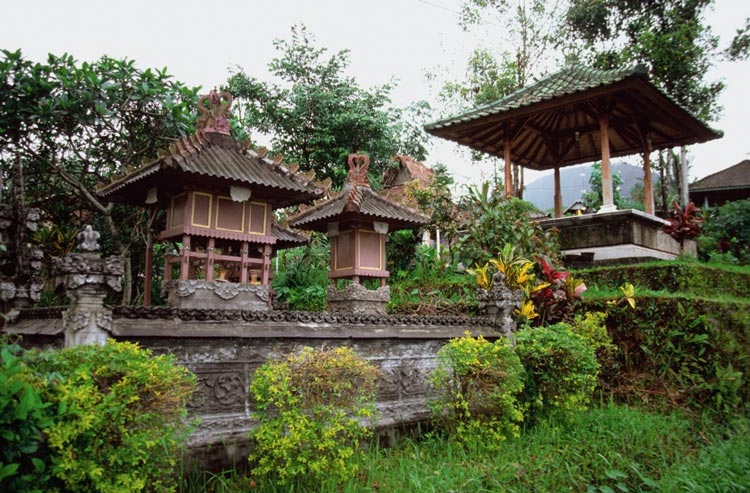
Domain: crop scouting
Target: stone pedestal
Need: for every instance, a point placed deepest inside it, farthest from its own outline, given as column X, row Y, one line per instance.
column 356, row 298
column 87, row 279
column 197, row 293
column 499, row 303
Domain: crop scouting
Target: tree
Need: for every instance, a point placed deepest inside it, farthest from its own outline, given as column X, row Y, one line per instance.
column 739, row 49
column 529, row 27
column 593, row 198
column 668, row 36
column 317, row 115
column 72, row 125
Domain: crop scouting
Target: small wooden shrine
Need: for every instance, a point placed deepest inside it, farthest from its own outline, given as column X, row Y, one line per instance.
column 357, row 222
column 219, row 196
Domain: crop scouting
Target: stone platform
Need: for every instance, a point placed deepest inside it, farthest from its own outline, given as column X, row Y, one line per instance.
column 626, row 235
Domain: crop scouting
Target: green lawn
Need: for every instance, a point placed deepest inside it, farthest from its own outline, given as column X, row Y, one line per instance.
column 609, row 448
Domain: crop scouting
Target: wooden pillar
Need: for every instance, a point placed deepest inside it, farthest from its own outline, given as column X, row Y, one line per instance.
column 648, row 192
column 558, row 193
column 210, row 260
column 243, row 264
column 508, row 169
column 185, row 258
column 608, row 203
column 266, row 264
column 149, row 273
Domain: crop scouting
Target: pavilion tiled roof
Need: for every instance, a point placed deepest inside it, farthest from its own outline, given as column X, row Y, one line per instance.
column 571, row 79
column 553, row 122
column 737, row 176
column 217, row 156
column 360, row 202
column 286, row 238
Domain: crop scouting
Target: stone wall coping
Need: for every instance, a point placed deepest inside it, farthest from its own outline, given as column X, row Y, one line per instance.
column 605, row 217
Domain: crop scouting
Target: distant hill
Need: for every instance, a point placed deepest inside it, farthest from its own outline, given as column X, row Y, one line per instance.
column 574, row 180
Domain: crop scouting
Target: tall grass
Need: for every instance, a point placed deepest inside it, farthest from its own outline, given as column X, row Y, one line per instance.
column 606, row 449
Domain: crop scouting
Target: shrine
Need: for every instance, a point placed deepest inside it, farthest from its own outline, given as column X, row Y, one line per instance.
column 357, row 222
column 218, row 196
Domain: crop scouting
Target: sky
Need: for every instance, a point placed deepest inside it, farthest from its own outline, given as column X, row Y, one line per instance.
column 401, row 40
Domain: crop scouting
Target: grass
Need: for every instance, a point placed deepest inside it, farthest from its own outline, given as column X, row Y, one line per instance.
column 608, row 448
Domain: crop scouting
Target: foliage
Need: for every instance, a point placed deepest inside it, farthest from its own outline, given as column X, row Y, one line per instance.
column 726, row 233
column 669, row 37
column 680, row 352
column 684, row 224
column 23, row 416
column 319, row 115
column 496, row 221
column 593, row 197
column 592, row 327
column 556, row 296
column 309, row 406
column 300, row 283
column 561, row 371
column 476, row 384
column 74, row 124
column 739, row 49
column 115, row 418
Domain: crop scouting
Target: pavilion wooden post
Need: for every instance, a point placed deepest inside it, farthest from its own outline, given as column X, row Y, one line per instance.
column 149, row 272
column 648, row 192
column 508, row 169
column 608, row 204
column 185, row 258
column 558, row 193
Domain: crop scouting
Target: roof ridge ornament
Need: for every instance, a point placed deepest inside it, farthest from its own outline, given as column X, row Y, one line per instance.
column 215, row 117
column 359, row 164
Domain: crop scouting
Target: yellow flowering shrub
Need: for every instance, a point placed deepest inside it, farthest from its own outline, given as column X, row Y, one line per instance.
column 310, row 408
column 476, row 383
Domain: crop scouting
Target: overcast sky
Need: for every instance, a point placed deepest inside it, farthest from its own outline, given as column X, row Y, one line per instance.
column 399, row 39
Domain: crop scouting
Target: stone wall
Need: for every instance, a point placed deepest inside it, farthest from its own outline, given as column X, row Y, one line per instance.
column 224, row 347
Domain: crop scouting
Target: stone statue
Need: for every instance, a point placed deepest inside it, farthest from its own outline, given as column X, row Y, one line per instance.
column 88, row 239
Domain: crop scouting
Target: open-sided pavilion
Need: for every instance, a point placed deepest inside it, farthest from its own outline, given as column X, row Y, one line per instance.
column 574, row 116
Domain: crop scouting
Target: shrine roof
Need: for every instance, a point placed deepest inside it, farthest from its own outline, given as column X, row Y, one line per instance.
column 357, row 201
column 212, row 155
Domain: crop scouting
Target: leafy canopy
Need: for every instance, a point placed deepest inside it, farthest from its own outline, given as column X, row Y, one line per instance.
column 317, row 115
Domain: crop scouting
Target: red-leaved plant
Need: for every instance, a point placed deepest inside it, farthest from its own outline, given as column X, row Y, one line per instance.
column 684, row 224
column 555, row 301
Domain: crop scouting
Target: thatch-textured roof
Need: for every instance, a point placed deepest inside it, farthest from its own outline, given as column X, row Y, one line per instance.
column 554, row 122
column 357, row 203
column 737, row 176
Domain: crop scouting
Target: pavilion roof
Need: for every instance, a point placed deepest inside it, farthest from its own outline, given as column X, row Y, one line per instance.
column 357, row 202
column 554, row 122
column 211, row 157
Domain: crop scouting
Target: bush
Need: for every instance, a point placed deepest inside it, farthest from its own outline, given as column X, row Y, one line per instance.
column 309, row 408
column 300, row 283
column 678, row 352
column 726, row 233
column 476, row 384
column 561, row 371
column 117, row 418
column 23, row 417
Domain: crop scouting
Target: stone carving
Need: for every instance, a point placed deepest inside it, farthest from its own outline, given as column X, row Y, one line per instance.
column 21, row 281
column 215, row 117
column 358, row 166
column 356, row 298
column 87, row 279
column 191, row 314
column 499, row 302
column 201, row 294
column 88, row 239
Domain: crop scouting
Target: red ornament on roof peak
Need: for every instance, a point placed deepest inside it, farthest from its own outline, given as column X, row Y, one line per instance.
column 358, row 166
column 213, row 110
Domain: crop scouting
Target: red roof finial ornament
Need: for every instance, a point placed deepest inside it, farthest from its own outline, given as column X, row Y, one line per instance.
column 214, row 117
column 358, row 166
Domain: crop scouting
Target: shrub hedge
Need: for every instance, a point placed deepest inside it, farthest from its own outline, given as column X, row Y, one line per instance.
column 675, row 277
column 678, row 351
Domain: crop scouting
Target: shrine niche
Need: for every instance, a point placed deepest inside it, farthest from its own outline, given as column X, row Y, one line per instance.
column 218, row 198
column 357, row 222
